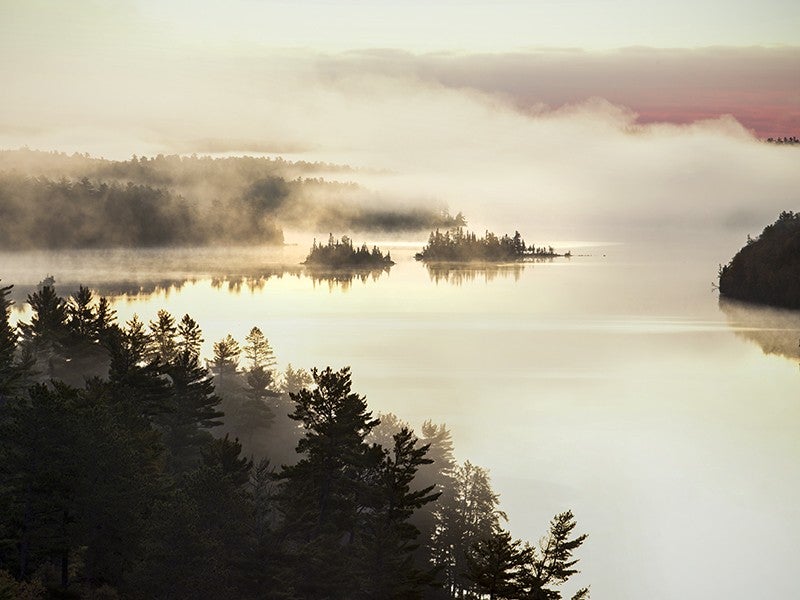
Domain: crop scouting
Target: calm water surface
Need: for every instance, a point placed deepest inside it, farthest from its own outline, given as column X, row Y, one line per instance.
column 613, row 384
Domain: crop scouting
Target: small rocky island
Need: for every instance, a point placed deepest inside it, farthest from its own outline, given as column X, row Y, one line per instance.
column 460, row 246
column 767, row 269
column 342, row 255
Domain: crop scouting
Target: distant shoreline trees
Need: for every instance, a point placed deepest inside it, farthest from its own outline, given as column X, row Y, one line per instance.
column 458, row 245
column 786, row 140
column 51, row 201
column 767, row 269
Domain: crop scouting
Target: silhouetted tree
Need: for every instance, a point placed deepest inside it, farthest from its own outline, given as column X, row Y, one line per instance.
column 324, row 492
column 469, row 515
column 258, row 350
column 767, row 269
column 384, row 551
column 194, row 411
column 551, row 564
column 494, row 565
column 162, row 338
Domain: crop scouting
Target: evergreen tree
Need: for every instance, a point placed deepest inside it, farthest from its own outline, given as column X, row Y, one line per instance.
column 258, row 351
column 14, row 369
column 190, row 338
column 76, row 481
column 193, row 411
column 324, row 493
column 162, row 337
column 385, row 560
column 82, row 318
column 294, row 380
column 47, row 333
column 439, row 473
column 469, row 515
column 494, row 565
column 551, row 564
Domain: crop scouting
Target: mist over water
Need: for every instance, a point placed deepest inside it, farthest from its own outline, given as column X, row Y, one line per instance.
column 613, row 383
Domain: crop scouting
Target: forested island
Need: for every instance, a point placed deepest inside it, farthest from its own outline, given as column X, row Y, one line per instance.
column 341, row 254
column 132, row 468
column 52, row 200
column 767, row 269
column 459, row 245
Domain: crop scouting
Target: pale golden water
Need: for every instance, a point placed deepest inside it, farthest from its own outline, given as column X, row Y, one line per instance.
column 612, row 384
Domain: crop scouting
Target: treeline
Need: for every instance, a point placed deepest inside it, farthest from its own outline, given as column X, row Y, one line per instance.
column 458, row 245
column 787, row 140
column 340, row 254
column 131, row 469
column 50, row 200
column 767, row 269
column 45, row 213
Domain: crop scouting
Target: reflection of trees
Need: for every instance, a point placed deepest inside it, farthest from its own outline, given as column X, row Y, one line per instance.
column 457, row 274
column 236, row 284
column 255, row 282
column 775, row 330
column 343, row 278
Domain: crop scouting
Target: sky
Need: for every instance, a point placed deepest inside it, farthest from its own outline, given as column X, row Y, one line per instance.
column 583, row 109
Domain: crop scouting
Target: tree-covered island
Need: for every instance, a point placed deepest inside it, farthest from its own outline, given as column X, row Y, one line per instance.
column 767, row 269
column 341, row 254
column 459, row 245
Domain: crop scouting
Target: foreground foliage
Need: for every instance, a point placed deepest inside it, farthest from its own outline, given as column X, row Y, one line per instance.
column 163, row 477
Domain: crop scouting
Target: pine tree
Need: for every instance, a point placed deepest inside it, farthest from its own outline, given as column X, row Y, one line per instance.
column 190, row 338
column 551, row 564
column 494, row 565
column 469, row 515
column 385, row 559
column 258, row 351
column 14, row 370
column 194, row 411
column 47, row 333
column 162, row 337
column 324, row 493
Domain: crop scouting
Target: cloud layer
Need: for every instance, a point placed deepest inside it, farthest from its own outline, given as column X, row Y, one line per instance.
column 549, row 142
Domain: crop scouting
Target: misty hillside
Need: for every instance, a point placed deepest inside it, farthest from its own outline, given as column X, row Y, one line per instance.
column 54, row 200
column 767, row 269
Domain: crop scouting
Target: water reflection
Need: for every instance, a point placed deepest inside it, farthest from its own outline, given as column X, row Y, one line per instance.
column 236, row 284
column 458, row 274
column 343, row 279
column 775, row 330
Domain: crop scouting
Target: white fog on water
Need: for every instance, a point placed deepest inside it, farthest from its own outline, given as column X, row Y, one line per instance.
column 612, row 383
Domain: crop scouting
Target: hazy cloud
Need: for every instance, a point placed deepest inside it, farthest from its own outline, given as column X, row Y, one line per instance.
column 549, row 141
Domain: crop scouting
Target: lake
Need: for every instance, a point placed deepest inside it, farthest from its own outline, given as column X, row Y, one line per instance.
column 613, row 383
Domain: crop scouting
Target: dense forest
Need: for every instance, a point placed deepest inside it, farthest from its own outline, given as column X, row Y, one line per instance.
column 131, row 468
column 767, row 269
column 51, row 200
column 340, row 254
column 458, row 245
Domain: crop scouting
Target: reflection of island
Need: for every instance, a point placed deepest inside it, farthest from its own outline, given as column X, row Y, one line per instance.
column 775, row 330
column 459, row 273
column 343, row 278
column 235, row 283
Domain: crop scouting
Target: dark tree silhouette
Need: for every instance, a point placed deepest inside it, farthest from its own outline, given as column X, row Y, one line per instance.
column 767, row 269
